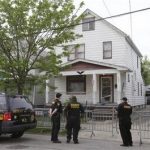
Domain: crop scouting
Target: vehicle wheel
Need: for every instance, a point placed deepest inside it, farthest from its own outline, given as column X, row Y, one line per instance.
column 17, row 134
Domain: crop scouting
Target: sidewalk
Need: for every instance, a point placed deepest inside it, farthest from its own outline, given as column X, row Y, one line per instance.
column 97, row 142
column 116, row 139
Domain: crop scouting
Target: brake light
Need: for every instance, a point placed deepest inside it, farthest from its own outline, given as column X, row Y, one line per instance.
column 7, row 116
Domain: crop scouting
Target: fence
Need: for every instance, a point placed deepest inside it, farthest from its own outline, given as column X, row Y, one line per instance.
column 102, row 120
column 144, row 125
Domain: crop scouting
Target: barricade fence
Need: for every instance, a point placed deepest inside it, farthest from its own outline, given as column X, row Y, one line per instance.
column 101, row 120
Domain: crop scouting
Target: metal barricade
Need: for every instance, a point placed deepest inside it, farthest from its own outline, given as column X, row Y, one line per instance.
column 101, row 120
column 144, row 125
column 43, row 120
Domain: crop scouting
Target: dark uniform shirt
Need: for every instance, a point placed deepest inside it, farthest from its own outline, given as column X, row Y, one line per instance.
column 56, row 104
column 124, row 111
column 74, row 110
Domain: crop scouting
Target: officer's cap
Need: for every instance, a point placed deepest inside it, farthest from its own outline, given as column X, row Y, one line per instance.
column 58, row 95
column 124, row 99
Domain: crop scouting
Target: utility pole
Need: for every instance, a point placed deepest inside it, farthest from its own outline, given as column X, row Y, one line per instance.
column 130, row 18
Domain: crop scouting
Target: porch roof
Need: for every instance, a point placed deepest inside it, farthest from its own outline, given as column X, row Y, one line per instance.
column 84, row 66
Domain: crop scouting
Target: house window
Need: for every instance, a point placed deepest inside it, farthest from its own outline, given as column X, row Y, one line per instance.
column 76, row 84
column 135, row 75
column 76, row 51
column 138, row 89
column 137, row 62
column 128, row 77
column 141, row 90
column 133, row 86
column 107, row 50
column 88, row 24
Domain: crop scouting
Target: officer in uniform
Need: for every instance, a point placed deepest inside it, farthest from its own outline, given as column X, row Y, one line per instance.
column 73, row 110
column 124, row 112
column 54, row 112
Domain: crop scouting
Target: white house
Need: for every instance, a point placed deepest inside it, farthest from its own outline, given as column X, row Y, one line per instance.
column 104, row 67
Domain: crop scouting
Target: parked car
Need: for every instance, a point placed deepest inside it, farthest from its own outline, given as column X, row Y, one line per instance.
column 148, row 100
column 148, row 97
column 16, row 115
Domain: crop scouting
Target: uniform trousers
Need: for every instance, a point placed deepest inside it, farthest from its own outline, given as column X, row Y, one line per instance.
column 73, row 127
column 125, row 132
column 55, row 127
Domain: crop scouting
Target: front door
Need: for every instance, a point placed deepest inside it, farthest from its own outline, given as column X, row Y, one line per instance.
column 106, row 89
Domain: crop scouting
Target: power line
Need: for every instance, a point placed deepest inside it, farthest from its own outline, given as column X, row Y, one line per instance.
column 106, row 8
column 114, row 16
column 130, row 18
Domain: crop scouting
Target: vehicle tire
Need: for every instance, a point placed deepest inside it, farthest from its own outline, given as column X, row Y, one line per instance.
column 17, row 134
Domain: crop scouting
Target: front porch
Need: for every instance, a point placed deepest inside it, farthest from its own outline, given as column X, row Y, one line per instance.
column 92, row 82
column 99, row 88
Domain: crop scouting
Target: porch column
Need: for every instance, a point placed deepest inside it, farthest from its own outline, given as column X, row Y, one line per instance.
column 94, row 88
column 47, row 92
column 118, row 87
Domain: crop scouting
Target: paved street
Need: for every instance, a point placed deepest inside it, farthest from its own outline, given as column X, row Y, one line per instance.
column 42, row 142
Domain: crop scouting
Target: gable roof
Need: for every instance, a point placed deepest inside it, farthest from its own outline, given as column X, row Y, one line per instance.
column 96, row 63
column 127, row 37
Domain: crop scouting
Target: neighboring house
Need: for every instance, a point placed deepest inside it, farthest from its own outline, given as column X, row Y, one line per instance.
column 103, row 68
column 147, row 94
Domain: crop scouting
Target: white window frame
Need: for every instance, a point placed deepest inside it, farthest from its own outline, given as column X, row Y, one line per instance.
column 88, row 24
column 79, row 79
column 107, row 50
column 77, row 51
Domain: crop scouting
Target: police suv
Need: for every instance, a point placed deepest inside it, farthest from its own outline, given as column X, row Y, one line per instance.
column 16, row 115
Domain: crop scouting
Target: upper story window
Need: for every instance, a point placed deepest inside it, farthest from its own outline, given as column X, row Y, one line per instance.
column 141, row 89
column 138, row 88
column 137, row 62
column 88, row 24
column 107, row 50
column 76, row 51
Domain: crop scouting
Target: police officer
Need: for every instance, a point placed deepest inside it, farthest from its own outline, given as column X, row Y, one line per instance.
column 124, row 112
column 73, row 110
column 54, row 112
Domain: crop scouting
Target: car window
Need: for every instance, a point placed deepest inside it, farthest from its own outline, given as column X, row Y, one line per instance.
column 3, row 103
column 20, row 102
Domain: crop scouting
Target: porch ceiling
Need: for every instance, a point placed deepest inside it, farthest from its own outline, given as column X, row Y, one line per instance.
column 82, row 66
column 88, row 72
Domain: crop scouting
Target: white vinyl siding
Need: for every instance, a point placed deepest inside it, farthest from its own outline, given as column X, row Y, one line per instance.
column 122, row 55
column 137, row 62
column 93, row 44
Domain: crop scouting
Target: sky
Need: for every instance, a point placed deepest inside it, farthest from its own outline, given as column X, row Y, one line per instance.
column 136, row 25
